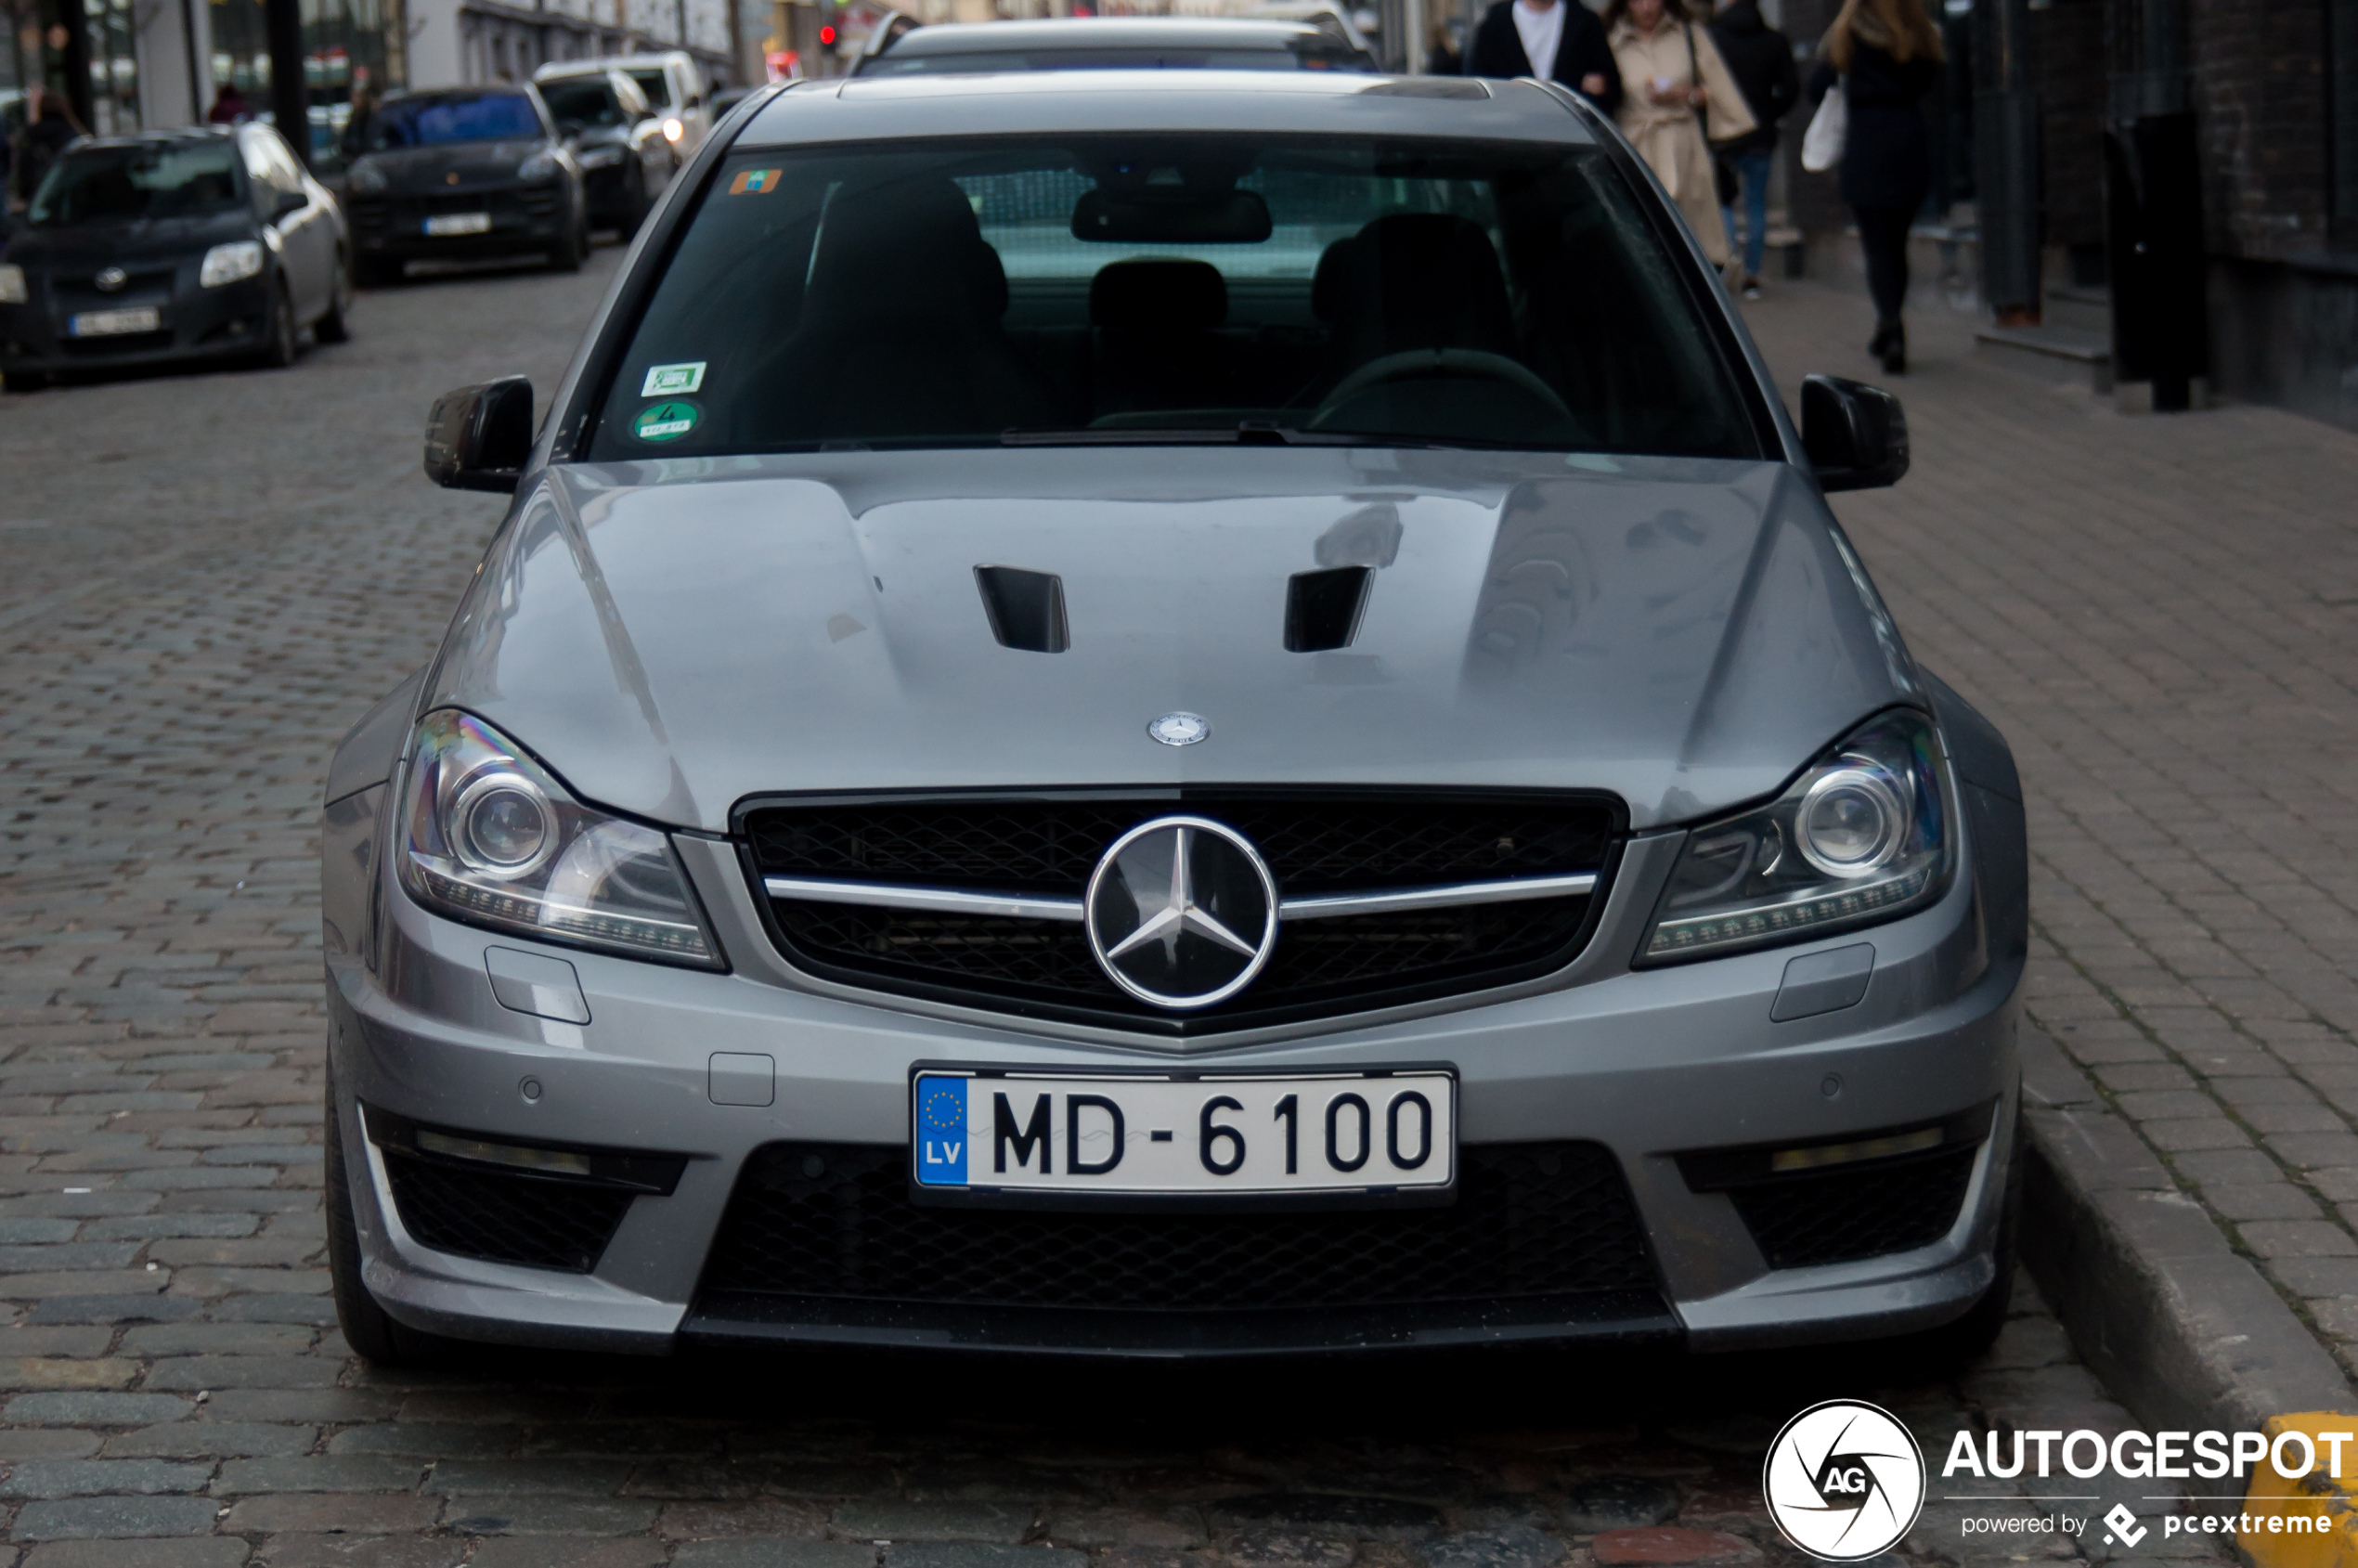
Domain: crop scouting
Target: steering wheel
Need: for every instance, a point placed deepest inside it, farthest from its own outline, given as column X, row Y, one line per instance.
column 1443, row 364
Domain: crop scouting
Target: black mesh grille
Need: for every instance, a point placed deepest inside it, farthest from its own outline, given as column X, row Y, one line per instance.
column 835, row 1220
column 503, row 1219
column 1311, row 845
column 1838, row 1216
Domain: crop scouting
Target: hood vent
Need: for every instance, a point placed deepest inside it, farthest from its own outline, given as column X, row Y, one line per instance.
column 1027, row 609
column 1323, row 608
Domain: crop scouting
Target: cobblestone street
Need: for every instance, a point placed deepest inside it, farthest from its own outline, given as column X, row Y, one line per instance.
column 207, row 578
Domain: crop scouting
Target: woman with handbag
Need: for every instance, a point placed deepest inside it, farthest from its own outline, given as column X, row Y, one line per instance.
column 1676, row 97
column 1884, row 56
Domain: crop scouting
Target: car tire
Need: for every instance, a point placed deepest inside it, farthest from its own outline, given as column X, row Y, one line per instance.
column 24, row 381
column 567, row 256
column 334, row 327
column 370, row 1329
column 279, row 349
column 635, row 213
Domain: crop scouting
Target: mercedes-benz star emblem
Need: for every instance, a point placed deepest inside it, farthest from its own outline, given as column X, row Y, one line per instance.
column 111, row 278
column 1180, row 729
column 1181, row 912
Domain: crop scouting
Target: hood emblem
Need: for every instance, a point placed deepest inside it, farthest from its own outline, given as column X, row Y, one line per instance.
column 111, row 278
column 450, row 178
column 1182, row 912
column 1180, row 729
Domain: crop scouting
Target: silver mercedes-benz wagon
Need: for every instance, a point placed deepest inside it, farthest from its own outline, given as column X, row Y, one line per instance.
column 1170, row 713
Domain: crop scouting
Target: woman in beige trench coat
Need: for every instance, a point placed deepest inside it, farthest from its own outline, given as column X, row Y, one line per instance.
column 1668, row 115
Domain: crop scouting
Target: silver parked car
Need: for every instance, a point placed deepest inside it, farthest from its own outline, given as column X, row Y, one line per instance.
column 1171, row 713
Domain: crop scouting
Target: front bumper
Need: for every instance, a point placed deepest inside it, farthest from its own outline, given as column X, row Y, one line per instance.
column 391, row 226
column 1649, row 1064
column 198, row 323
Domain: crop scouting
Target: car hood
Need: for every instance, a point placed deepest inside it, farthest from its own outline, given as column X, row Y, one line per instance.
column 475, row 163
column 141, row 242
column 672, row 637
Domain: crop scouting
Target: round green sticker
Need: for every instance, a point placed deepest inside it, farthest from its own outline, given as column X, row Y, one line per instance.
column 665, row 421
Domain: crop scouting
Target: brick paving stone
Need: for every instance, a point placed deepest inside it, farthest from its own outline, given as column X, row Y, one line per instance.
column 206, row 1551
column 81, row 1518
column 365, row 1552
column 756, row 1552
column 1671, row 1544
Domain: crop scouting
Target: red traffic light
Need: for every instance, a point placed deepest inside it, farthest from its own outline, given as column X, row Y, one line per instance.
column 827, row 37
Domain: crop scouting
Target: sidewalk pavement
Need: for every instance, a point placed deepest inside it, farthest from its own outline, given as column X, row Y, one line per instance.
column 2161, row 613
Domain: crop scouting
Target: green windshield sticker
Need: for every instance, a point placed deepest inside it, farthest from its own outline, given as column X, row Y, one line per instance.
column 663, row 381
column 665, row 421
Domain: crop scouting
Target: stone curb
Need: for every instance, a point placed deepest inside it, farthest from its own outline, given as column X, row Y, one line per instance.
column 2185, row 1333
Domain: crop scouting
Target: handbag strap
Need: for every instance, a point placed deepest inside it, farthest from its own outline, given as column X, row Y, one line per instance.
column 1694, row 79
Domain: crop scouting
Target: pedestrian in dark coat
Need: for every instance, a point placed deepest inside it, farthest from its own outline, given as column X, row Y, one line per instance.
column 1760, row 59
column 1582, row 61
column 47, row 129
column 1885, row 55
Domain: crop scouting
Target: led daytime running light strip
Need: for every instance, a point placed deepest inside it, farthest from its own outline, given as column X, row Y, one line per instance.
column 547, row 915
column 1801, row 915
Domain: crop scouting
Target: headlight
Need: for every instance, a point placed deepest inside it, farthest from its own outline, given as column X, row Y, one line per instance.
column 226, row 263
column 365, row 176
column 673, row 130
column 599, row 158
column 1862, row 836
column 11, row 284
column 539, row 166
column 488, row 837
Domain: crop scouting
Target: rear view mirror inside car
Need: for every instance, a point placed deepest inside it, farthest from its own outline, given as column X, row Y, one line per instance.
column 1172, row 215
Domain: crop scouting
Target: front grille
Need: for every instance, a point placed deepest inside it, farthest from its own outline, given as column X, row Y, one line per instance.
column 367, row 212
column 1312, row 845
column 835, row 1220
column 1840, row 1216
column 504, row 1219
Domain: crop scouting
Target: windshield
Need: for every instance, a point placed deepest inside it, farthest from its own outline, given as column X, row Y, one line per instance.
column 1309, row 56
column 117, row 184
column 453, row 117
column 650, row 83
column 585, row 100
column 1125, row 288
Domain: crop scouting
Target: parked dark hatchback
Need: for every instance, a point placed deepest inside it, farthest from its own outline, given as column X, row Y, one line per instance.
column 189, row 244
column 465, row 173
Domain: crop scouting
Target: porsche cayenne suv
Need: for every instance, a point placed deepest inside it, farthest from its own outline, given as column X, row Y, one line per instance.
column 1170, row 713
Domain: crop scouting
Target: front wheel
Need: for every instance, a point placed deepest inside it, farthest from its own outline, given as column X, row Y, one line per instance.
column 334, row 327
column 367, row 1328
column 24, row 381
column 566, row 256
column 279, row 349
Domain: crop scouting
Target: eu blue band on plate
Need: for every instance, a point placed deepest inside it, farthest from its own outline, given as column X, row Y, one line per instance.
column 941, row 1131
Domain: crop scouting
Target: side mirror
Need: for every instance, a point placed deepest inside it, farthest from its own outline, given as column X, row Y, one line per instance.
column 290, row 201
column 1856, row 434
column 480, row 438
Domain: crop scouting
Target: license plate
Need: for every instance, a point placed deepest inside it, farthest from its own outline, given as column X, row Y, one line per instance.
column 106, row 323
column 1014, row 1131
column 460, row 223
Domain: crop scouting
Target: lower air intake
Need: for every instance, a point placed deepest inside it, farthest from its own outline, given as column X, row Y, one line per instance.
column 1841, row 1216
column 503, row 1219
column 835, row 1220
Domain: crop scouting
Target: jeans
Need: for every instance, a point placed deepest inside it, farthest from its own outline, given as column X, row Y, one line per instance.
column 1752, row 168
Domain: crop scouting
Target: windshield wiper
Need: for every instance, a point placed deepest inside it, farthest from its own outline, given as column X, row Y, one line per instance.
column 1248, row 433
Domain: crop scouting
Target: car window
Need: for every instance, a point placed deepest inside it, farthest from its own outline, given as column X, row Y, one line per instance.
column 651, row 83
column 1337, row 289
column 582, row 101
column 1143, row 58
column 453, row 117
column 123, row 183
